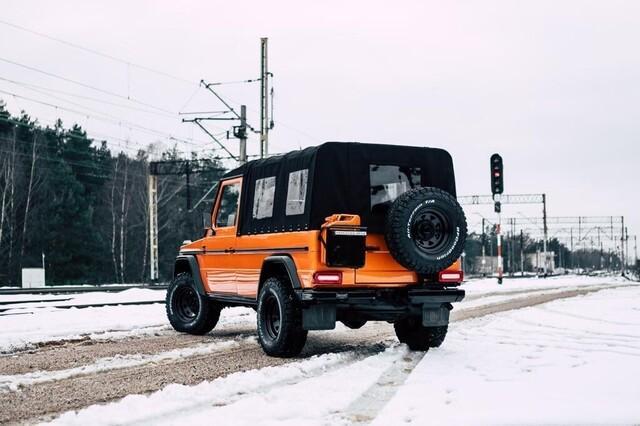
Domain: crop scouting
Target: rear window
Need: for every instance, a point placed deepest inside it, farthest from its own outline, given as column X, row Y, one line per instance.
column 388, row 182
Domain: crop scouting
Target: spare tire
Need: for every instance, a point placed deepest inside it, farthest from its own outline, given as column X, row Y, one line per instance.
column 426, row 230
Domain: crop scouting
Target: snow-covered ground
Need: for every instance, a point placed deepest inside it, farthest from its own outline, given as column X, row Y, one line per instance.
column 571, row 361
column 568, row 361
column 41, row 323
column 44, row 323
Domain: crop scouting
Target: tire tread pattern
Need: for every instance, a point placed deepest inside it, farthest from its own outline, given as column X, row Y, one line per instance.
column 395, row 232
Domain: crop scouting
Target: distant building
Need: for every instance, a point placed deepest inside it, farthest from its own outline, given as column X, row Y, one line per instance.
column 536, row 261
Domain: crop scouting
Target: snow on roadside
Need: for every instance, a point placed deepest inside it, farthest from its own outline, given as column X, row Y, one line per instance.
column 296, row 393
column 483, row 286
column 131, row 295
column 14, row 382
column 568, row 361
column 108, row 322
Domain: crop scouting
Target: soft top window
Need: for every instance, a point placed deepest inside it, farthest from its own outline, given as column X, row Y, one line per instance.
column 263, row 197
column 388, row 182
column 297, row 192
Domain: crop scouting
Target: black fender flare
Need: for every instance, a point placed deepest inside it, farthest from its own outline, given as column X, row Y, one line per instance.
column 189, row 263
column 280, row 262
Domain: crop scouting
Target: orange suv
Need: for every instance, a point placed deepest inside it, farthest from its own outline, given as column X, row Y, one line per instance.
column 343, row 231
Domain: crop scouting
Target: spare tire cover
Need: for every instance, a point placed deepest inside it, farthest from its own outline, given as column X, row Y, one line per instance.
column 426, row 230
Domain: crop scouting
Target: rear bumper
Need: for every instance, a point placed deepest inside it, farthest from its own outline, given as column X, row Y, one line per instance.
column 322, row 308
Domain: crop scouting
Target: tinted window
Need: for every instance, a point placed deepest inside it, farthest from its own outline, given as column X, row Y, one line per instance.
column 388, row 182
column 263, row 197
column 296, row 192
column 228, row 205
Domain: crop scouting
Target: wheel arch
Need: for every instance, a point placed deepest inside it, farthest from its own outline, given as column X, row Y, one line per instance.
column 189, row 264
column 280, row 265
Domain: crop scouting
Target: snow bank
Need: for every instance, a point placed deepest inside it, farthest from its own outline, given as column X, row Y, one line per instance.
column 109, row 322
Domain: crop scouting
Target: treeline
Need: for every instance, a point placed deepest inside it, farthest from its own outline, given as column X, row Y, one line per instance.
column 85, row 207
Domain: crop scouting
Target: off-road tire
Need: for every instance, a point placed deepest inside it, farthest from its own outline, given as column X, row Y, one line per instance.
column 188, row 310
column 416, row 336
column 280, row 331
column 426, row 230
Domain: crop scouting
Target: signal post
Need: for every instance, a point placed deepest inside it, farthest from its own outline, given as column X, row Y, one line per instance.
column 497, row 188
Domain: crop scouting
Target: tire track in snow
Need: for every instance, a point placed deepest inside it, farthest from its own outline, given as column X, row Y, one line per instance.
column 43, row 401
column 371, row 402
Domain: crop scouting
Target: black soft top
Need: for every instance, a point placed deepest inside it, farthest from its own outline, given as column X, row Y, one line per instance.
column 338, row 182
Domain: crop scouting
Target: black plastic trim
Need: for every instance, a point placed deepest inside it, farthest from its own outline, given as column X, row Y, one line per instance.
column 193, row 268
column 289, row 266
column 232, row 300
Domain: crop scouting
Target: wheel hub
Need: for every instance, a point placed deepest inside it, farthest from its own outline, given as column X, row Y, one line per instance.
column 429, row 230
column 272, row 317
column 186, row 304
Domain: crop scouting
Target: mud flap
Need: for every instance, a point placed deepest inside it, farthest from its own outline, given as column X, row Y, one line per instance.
column 436, row 315
column 319, row 317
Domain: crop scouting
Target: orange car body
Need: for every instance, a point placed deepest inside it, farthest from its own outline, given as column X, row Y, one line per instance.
column 231, row 264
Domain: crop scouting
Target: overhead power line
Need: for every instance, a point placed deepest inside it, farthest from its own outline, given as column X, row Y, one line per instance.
column 86, row 86
column 98, row 53
column 111, row 119
column 90, row 98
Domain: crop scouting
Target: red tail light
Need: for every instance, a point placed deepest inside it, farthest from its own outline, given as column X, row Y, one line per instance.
column 450, row 276
column 327, row 277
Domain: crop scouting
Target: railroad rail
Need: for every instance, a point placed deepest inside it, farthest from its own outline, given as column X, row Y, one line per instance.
column 29, row 310
column 78, row 289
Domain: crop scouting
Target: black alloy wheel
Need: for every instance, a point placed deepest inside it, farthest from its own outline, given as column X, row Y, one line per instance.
column 280, row 331
column 188, row 310
column 430, row 229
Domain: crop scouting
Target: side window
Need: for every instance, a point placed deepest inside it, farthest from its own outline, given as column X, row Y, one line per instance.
column 296, row 192
column 389, row 182
column 228, row 206
column 263, row 197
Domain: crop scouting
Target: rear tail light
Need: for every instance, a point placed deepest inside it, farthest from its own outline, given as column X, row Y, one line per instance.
column 450, row 276
column 327, row 277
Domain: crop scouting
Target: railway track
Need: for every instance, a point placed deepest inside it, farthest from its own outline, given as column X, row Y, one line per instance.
column 21, row 310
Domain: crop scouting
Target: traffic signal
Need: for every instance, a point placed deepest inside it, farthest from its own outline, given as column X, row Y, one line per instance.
column 497, row 182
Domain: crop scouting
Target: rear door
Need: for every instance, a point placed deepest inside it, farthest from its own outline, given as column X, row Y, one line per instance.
column 217, row 260
column 386, row 183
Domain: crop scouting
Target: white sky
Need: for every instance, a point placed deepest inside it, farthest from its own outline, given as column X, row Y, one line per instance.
column 551, row 85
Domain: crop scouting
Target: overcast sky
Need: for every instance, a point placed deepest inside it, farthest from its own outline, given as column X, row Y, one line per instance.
column 551, row 85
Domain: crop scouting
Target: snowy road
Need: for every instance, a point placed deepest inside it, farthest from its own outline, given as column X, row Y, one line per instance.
column 228, row 371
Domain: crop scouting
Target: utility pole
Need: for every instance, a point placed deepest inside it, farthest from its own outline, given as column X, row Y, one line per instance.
column 572, row 253
column 635, row 249
column 153, row 227
column 264, row 99
column 484, row 241
column 622, row 266
column 521, row 253
column 626, row 242
column 242, row 134
column 544, row 219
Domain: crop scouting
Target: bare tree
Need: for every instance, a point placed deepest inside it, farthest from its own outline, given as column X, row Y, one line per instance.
column 113, row 219
column 29, row 193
